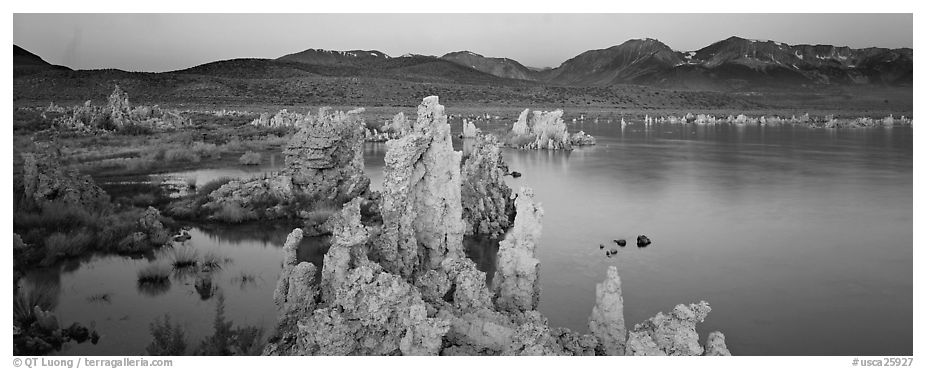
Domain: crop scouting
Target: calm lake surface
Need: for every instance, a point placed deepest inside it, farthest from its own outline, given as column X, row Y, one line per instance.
column 800, row 239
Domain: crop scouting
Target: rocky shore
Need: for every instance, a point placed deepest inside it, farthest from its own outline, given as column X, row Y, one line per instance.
column 402, row 285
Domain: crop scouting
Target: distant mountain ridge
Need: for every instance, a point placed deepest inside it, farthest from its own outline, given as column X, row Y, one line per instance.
column 729, row 64
column 735, row 61
column 332, row 57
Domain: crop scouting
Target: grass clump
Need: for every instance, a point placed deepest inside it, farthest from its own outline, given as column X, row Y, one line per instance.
column 154, row 273
column 212, row 260
column 234, row 213
column 180, row 154
column 209, row 150
column 184, row 257
column 190, row 183
column 321, row 211
column 250, row 158
column 26, row 299
column 60, row 245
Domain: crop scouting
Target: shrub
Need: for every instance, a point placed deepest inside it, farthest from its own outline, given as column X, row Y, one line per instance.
column 60, row 245
column 166, row 339
column 26, row 299
column 139, row 164
column 181, row 154
column 212, row 260
column 234, row 145
column 250, row 158
column 54, row 216
column 321, row 211
column 190, row 183
column 234, row 213
column 154, row 273
column 206, row 150
column 212, row 185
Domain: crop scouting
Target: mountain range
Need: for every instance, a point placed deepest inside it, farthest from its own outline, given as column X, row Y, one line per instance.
column 730, row 64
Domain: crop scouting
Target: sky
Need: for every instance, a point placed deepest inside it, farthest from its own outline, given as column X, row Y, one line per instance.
column 165, row 42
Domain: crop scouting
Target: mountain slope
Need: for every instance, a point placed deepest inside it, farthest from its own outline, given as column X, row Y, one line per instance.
column 816, row 63
column 25, row 63
column 634, row 61
column 499, row 67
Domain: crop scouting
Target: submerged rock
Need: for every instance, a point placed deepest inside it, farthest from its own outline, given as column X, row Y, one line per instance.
column 422, row 211
column 516, row 280
column 485, row 196
column 607, row 320
column 671, row 334
column 643, row 241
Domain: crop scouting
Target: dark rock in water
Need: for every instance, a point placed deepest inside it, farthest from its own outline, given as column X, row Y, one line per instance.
column 643, row 241
column 608, row 253
column 515, row 174
column 78, row 332
column 601, row 247
column 621, row 242
column 614, row 251
column 94, row 337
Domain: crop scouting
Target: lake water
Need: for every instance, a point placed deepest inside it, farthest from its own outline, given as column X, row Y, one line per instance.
column 800, row 239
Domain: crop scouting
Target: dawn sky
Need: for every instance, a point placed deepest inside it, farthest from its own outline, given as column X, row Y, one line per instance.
column 164, row 42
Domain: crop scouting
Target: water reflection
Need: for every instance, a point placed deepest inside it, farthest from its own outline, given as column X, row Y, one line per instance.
column 153, row 289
